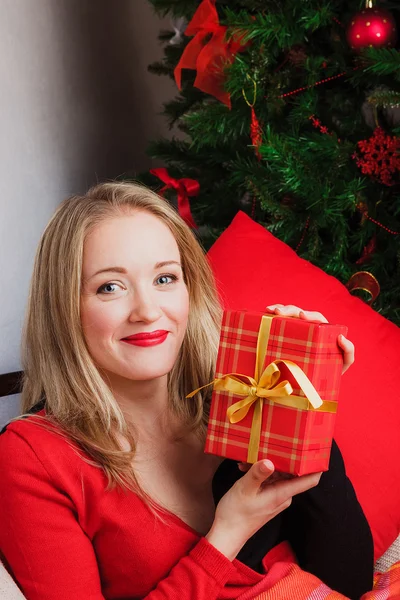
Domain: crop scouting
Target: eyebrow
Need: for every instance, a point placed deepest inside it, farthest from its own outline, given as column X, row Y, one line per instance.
column 158, row 265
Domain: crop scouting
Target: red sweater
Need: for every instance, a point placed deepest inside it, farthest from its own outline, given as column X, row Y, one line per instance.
column 63, row 537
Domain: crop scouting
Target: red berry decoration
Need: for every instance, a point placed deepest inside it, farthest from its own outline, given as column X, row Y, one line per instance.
column 372, row 28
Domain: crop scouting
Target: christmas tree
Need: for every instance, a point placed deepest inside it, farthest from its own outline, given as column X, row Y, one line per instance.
column 290, row 111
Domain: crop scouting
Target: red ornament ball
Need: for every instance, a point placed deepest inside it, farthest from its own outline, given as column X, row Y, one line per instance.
column 372, row 28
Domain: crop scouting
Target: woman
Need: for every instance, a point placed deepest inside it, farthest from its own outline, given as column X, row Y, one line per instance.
column 105, row 489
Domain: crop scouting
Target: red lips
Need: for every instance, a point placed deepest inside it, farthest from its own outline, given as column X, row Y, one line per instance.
column 151, row 338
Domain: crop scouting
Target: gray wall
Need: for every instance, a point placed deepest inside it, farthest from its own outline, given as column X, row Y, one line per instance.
column 77, row 105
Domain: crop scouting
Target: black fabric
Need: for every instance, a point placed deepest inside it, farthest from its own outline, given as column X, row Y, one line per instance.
column 325, row 526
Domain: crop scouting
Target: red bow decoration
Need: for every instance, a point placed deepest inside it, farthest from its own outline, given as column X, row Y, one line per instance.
column 208, row 57
column 184, row 187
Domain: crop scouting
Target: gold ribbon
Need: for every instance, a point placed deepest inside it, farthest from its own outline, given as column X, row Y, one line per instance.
column 268, row 387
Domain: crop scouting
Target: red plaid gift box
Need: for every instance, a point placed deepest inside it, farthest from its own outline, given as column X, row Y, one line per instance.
column 294, row 399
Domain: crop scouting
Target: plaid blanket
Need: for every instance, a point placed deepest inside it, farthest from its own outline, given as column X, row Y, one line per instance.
column 286, row 581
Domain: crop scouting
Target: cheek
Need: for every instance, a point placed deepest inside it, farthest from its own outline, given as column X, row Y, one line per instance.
column 99, row 320
column 178, row 308
column 183, row 307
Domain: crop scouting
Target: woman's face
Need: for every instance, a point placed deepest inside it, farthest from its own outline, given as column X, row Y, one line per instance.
column 134, row 302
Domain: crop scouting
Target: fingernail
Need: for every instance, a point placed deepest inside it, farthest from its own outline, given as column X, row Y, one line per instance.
column 266, row 466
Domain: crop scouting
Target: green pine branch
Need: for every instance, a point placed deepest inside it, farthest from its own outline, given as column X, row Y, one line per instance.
column 269, row 28
column 214, row 121
column 167, row 65
column 177, row 109
column 314, row 17
column 383, row 61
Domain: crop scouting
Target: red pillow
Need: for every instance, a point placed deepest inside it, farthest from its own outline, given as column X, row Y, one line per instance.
column 254, row 269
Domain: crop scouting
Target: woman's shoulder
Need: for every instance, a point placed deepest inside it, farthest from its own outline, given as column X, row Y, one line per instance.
column 34, row 436
column 40, row 465
column 33, row 426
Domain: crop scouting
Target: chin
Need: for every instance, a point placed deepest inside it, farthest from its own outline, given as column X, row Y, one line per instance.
column 144, row 372
column 147, row 376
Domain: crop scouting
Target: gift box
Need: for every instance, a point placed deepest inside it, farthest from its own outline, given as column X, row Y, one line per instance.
column 275, row 391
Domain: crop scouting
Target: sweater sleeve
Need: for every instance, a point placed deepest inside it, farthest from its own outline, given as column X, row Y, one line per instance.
column 51, row 557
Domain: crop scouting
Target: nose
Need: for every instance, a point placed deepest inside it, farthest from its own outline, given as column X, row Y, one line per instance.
column 144, row 307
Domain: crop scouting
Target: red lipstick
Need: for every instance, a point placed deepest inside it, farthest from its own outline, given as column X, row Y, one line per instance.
column 152, row 338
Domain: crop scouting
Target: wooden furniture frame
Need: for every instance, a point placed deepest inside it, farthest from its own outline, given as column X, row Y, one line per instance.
column 10, row 383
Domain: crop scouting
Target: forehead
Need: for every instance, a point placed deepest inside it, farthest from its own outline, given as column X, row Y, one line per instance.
column 139, row 237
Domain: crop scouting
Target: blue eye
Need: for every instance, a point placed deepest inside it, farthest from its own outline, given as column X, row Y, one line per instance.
column 166, row 279
column 108, row 288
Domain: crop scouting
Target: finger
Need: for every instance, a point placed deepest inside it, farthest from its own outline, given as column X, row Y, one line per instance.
column 347, row 348
column 257, row 474
column 273, row 307
column 308, row 315
column 244, row 466
column 288, row 309
column 277, row 476
column 294, row 311
column 287, row 488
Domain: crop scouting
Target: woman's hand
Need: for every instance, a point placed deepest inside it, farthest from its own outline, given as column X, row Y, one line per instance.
column 344, row 344
column 250, row 503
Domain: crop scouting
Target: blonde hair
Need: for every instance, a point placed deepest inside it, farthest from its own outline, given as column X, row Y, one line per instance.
column 56, row 362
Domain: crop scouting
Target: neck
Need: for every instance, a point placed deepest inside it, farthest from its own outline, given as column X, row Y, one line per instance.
column 144, row 403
